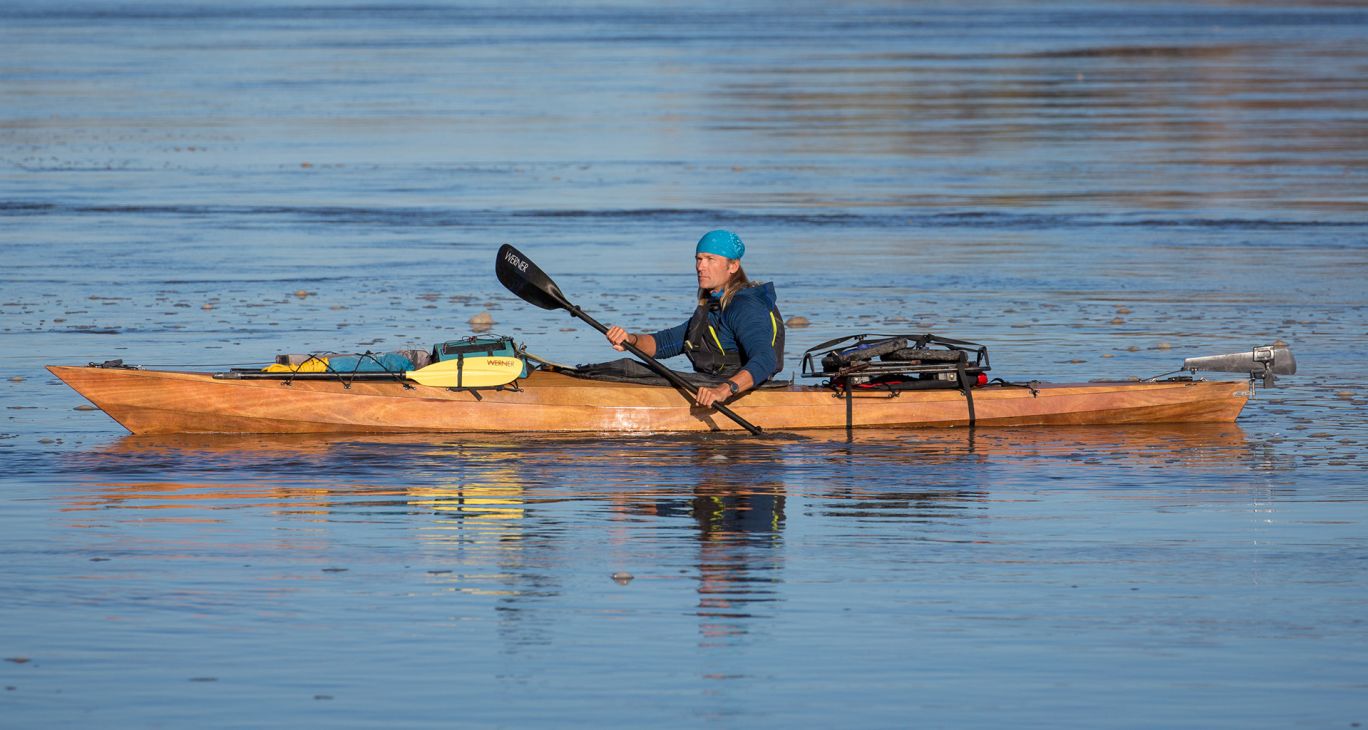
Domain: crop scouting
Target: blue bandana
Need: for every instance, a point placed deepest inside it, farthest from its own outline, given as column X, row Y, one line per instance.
column 721, row 243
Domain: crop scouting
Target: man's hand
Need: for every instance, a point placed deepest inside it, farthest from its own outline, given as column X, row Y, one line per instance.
column 617, row 335
column 708, row 395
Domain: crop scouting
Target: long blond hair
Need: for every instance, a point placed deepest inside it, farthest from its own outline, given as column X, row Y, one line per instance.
column 736, row 283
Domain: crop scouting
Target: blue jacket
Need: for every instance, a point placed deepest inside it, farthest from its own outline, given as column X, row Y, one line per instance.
column 750, row 326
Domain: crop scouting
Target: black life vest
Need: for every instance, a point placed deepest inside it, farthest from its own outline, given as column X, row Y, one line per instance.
column 704, row 348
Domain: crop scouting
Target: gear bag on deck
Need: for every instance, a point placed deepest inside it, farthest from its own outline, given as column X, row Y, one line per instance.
column 479, row 346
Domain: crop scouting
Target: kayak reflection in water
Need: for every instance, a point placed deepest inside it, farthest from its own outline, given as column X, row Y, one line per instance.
column 735, row 334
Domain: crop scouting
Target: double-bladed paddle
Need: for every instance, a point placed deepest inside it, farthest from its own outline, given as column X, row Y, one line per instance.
column 532, row 285
column 470, row 373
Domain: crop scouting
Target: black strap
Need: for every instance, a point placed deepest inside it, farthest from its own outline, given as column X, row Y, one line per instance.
column 965, row 387
column 850, row 408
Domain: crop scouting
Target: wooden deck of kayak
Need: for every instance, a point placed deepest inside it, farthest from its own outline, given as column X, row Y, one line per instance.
column 160, row 402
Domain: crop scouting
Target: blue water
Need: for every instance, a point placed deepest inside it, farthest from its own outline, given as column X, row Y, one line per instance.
column 1093, row 190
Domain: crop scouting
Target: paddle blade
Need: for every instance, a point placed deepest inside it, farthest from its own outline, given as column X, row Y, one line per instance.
column 469, row 372
column 522, row 277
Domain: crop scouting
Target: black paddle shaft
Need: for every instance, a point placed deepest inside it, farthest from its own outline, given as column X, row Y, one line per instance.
column 522, row 277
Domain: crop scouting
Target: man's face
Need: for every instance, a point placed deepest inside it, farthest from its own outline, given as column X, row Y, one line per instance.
column 713, row 270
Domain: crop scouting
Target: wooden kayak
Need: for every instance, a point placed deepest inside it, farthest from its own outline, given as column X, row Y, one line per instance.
column 162, row 402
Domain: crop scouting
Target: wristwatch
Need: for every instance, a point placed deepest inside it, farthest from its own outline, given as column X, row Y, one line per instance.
column 733, row 386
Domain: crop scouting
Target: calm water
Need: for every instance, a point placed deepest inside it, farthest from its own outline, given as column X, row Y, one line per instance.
column 1092, row 189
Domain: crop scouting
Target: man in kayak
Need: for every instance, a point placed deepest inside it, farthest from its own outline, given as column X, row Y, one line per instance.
column 735, row 333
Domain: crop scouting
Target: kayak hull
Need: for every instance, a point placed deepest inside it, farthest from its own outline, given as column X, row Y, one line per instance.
column 162, row 402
